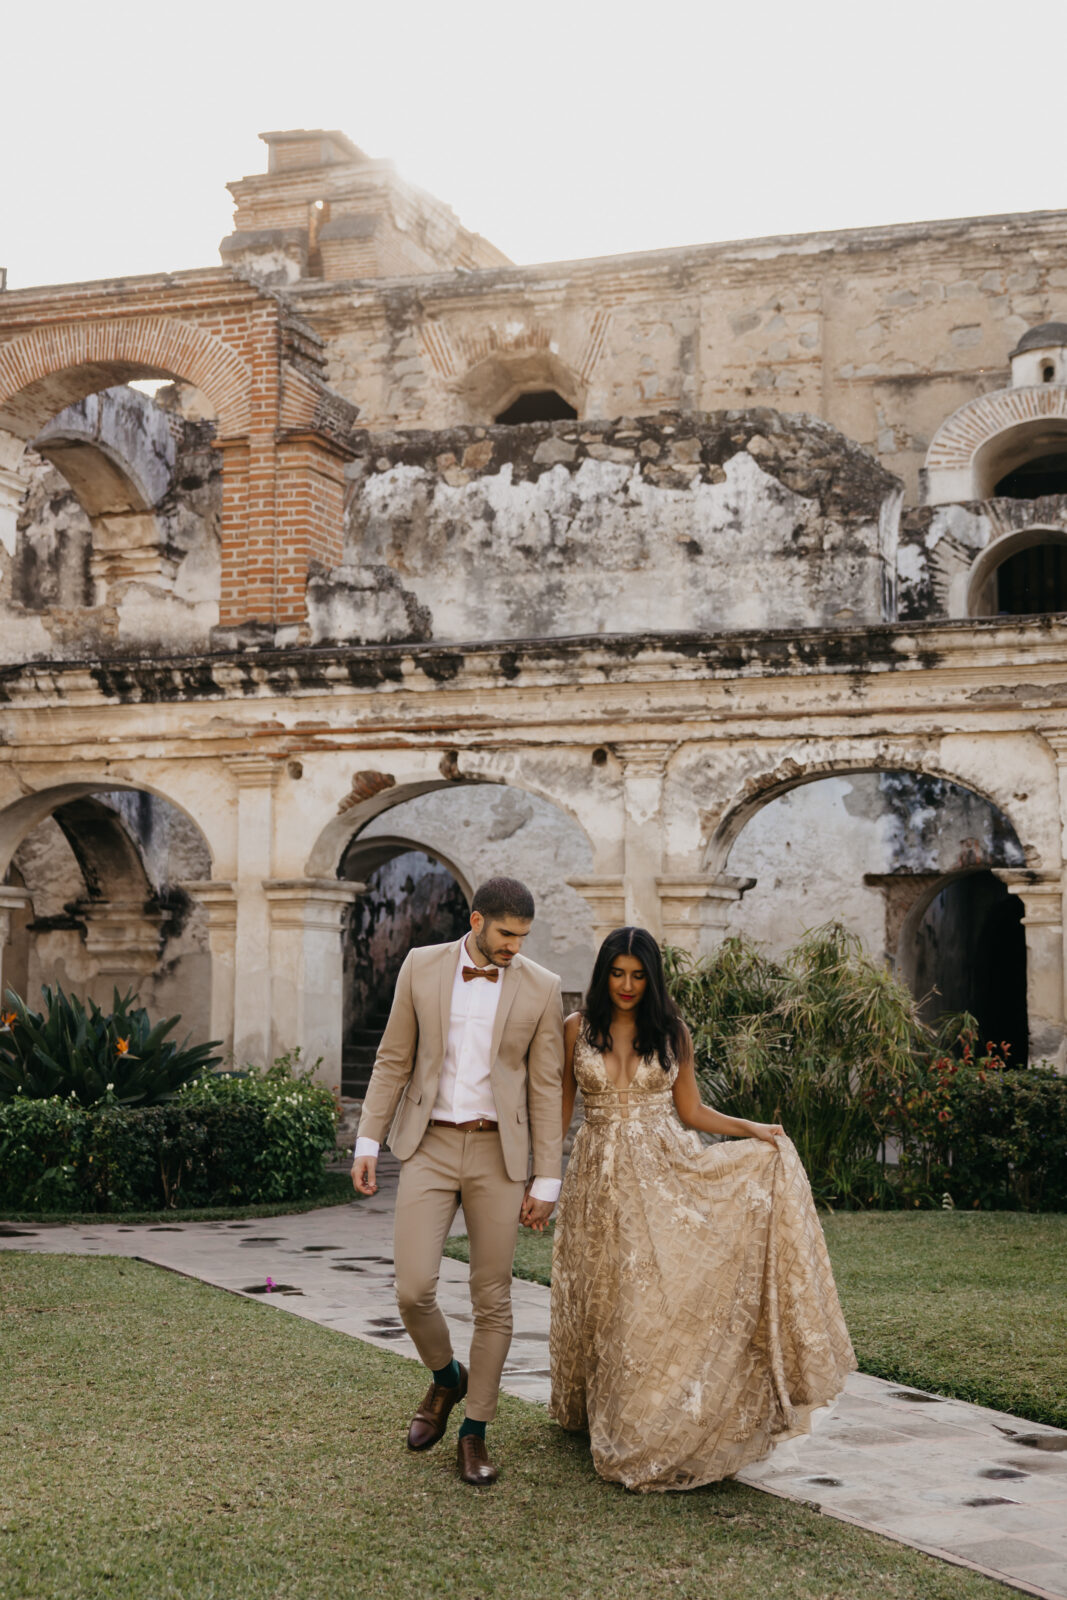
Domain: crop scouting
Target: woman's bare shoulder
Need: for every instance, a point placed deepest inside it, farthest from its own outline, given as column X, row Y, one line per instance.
column 571, row 1025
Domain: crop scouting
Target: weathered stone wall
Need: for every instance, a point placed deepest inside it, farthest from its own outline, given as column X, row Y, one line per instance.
column 739, row 520
column 814, row 851
column 882, row 332
column 117, row 545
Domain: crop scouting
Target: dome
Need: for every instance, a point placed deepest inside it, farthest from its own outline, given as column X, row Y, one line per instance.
column 1043, row 337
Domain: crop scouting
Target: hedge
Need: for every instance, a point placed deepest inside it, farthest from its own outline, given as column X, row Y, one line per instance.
column 235, row 1139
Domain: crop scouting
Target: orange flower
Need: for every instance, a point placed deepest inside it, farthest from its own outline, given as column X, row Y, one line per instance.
column 122, row 1046
column 9, row 1018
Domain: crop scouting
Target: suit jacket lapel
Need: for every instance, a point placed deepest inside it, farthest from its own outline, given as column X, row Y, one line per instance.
column 510, row 983
column 447, row 978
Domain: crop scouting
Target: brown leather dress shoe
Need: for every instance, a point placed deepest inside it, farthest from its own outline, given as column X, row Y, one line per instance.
column 431, row 1419
column 474, row 1463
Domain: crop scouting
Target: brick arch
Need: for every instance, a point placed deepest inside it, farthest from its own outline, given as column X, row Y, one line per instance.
column 44, row 371
column 959, row 464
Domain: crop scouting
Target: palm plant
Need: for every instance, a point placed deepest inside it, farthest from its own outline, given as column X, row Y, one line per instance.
column 78, row 1050
column 826, row 1041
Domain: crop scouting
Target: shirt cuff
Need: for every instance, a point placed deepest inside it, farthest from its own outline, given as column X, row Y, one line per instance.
column 546, row 1189
column 365, row 1147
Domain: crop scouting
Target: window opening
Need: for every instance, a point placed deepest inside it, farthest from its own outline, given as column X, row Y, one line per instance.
column 539, row 405
column 1045, row 475
column 1033, row 581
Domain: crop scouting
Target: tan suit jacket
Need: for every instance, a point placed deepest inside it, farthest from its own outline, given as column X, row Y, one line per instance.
column 526, row 1074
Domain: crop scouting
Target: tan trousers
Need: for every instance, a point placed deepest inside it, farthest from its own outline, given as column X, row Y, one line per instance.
column 448, row 1169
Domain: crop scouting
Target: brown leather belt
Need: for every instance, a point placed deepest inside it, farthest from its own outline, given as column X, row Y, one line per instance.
column 479, row 1125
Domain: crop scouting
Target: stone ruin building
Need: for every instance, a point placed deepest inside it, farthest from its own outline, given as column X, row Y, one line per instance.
column 718, row 588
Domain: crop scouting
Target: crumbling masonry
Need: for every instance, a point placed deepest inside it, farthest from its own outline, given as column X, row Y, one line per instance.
column 716, row 588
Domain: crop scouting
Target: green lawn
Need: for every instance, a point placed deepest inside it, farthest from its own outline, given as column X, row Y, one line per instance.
column 336, row 1190
column 165, row 1441
column 972, row 1304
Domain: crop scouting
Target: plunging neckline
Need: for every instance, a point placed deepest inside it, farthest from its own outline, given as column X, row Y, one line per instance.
column 614, row 1087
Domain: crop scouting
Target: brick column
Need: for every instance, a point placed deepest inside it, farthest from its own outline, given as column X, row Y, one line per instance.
column 220, row 902
column 233, row 531
column 307, row 918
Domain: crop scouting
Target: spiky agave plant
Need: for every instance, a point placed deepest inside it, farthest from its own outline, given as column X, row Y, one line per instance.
column 79, row 1050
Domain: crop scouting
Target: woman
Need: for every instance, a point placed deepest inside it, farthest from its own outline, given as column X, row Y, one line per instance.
column 695, row 1323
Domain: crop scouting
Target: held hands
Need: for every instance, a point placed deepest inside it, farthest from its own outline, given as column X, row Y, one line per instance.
column 364, row 1174
column 535, row 1213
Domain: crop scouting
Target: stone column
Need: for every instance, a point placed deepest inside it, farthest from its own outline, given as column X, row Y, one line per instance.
column 694, row 908
column 220, row 902
column 121, row 938
column 1042, row 898
column 606, row 898
column 307, row 917
column 255, row 777
column 12, row 898
column 12, row 488
column 644, row 763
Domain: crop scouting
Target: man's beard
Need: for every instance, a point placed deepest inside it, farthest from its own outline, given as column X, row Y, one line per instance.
column 483, row 951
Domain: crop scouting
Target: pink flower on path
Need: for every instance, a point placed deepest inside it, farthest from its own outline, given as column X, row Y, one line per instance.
column 270, row 1285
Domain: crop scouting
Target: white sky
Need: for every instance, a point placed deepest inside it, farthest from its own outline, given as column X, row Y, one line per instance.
column 557, row 128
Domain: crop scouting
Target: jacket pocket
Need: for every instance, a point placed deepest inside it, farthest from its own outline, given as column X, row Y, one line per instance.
column 414, row 1095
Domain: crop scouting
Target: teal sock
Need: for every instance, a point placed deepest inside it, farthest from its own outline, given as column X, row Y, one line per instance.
column 469, row 1426
column 448, row 1376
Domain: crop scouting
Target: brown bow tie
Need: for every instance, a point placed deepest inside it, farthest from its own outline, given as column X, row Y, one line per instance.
column 492, row 973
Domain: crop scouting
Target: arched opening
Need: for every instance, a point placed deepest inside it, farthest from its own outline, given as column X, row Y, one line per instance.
column 1023, row 460
column 966, row 951
column 1033, row 581
column 412, row 899
column 102, row 872
column 1021, row 575
column 1044, row 474
column 537, row 405
column 100, row 524
column 422, row 858
column 879, row 851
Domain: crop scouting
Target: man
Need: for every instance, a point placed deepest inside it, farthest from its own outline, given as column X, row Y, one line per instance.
column 469, row 1074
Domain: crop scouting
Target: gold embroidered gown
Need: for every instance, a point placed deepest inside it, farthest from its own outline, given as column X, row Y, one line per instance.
column 695, row 1322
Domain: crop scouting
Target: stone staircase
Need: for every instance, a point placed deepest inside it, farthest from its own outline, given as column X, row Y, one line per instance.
column 360, row 1050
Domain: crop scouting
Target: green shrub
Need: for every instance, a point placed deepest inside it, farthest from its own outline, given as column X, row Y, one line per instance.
column 820, row 1041
column 883, row 1109
column 79, row 1051
column 233, row 1138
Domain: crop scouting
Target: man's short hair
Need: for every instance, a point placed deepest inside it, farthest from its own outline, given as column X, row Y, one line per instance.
column 500, row 898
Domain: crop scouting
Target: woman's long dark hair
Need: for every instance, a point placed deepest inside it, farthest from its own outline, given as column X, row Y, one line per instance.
column 660, row 1030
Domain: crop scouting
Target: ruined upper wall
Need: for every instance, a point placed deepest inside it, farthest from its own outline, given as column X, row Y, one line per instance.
column 882, row 332
column 739, row 520
column 324, row 209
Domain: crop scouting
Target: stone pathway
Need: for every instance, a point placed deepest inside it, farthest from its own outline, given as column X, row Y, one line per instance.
column 969, row 1485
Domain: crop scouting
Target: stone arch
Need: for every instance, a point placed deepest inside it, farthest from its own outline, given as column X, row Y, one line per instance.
column 374, row 793
column 989, row 436
column 106, row 876
column 21, row 816
column 362, row 857
column 496, row 382
column 980, row 588
column 115, row 456
column 792, row 773
column 44, row 371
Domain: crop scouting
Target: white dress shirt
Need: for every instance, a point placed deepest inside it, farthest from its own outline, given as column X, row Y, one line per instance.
column 464, row 1090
